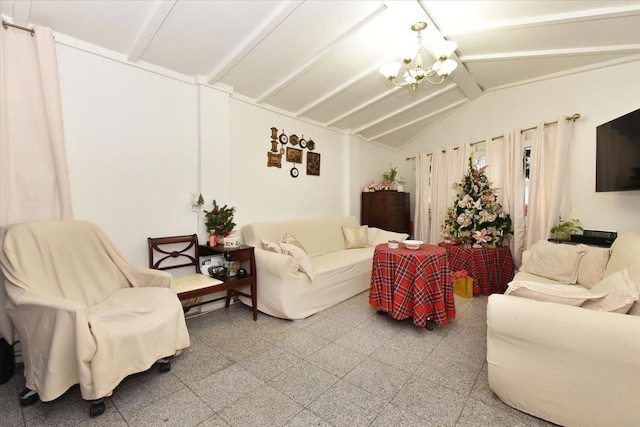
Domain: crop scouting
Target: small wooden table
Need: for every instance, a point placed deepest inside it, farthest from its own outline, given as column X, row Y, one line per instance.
column 490, row 268
column 244, row 254
column 412, row 283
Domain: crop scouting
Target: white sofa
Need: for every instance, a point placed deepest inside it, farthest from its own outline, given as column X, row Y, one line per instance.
column 338, row 273
column 567, row 364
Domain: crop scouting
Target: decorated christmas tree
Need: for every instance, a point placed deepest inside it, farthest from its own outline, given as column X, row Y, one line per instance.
column 476, row 218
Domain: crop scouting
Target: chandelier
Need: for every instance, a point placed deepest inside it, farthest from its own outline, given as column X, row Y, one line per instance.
column 415, row 74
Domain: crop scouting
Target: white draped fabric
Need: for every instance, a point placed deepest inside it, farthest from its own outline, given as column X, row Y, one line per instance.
column 504, row 157
column 448, row 167
column 549, row 179
column 34, row 182
column 423, row 190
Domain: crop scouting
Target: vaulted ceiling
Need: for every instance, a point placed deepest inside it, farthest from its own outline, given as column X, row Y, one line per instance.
column 318, row 60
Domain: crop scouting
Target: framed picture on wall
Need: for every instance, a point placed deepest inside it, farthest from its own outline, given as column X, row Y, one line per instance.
column 313, row 163
column 274, row 160
column 294, row 155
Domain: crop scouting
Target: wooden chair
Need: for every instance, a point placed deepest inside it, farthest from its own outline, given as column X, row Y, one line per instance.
column 166, row 253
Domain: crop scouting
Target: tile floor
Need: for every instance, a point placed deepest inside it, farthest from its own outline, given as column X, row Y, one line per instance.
column 345, row 366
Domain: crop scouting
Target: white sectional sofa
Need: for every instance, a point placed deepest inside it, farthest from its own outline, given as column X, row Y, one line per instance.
column 568, row 364
column 285, row 290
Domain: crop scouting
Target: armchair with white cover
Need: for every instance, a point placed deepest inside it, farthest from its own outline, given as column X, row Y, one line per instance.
column 83, row 315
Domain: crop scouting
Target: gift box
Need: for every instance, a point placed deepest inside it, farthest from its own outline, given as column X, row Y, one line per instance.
column 462, row 284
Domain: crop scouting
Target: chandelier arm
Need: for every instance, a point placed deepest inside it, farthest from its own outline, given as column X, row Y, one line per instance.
column 442, row 79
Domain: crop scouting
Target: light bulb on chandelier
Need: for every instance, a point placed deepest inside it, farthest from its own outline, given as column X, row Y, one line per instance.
column 414, row 75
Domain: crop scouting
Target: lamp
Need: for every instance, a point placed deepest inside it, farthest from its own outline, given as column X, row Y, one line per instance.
column 414, row 75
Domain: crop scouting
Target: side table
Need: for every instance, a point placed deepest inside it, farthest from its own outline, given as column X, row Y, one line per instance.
column 490, row 268
column 246, row 255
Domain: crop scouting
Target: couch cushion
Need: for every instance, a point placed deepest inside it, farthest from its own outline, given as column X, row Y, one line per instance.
column 555, row 261
column 561, row 294
column 625, row 252
column 318, row 236
column 621, row 293
column 592, row 265
column 355, row 236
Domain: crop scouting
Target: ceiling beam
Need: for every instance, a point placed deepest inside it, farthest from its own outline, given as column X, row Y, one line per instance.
column 407, row 107
column 593, row 50
column 560, row 18
column 364, row 105
column 255, row 38
column 320, row 56
column 426, row 116
column 149, row 29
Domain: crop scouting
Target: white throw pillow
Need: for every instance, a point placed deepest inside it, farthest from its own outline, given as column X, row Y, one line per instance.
column 355, row 236
column 555, row 261
column 304, row 262
column 621, row 293
column 269, row 245
column 561, row 294
column 592, row 265
column 290, row 239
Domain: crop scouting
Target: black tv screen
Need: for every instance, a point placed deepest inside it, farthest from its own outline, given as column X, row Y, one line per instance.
column 618, row 154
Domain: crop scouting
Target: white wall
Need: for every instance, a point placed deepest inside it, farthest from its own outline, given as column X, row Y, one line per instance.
column 262, row 193
column 598, row 95
column 131, row 148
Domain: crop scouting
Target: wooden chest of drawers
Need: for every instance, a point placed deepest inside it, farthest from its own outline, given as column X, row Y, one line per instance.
column 388, row 210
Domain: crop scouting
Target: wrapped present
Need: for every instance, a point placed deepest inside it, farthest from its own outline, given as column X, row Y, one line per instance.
column 462, row 283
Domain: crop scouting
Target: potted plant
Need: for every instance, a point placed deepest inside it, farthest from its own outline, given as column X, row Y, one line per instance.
column 564, row 229
column 219, row 222
column 389, row 178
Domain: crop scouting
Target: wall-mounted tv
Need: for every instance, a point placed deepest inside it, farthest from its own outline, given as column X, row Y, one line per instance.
column 618, row 154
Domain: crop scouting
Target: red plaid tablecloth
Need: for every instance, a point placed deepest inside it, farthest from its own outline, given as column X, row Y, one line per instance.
column 490, row 268
column 412, row 283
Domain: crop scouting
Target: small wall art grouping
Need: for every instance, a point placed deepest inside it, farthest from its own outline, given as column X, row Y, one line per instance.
column 293, row 147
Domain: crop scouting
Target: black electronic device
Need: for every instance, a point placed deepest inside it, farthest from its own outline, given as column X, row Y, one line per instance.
column 595, row 237
column 618, row 154
column 7, row 361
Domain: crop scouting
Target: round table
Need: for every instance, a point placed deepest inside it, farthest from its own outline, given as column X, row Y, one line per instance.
column 412, row 283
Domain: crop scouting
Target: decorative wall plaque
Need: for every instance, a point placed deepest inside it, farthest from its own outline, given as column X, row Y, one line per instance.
column 294, row 155
column 274, row 160
column 313, row 164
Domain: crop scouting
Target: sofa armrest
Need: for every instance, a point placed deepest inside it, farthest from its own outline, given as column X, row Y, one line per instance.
column 147, row 277
column 564, row 364
column 274, row 264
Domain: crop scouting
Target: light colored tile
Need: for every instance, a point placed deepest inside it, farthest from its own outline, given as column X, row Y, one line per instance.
column 193, row 366
column 382, row 325
column 9, row 405
column 302, row 343
column 478, row 413
column 361, row 341
column 444, row 371
column 303, row 382
column 328, row 329
column 269, row 363
column 214, row 421
column 393, row 416
column 307, row 419
column 353, row 314
column 263, row 406
column 303, row 323
column 336, row 359
column 377, row 378
column 181, row 409
column 137, row 391
column 75, row 413
column 431, row 402
column 347, row 405
column 225, row 387
column 239, row 345
column 401, row 356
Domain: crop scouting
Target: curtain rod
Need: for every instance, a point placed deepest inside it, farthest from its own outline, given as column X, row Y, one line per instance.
column 573, row 118
column 6, row 24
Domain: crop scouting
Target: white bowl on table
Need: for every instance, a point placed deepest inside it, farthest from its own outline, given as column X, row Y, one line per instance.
column 412, row 244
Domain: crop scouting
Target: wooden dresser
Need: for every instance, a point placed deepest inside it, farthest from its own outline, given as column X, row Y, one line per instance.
column 388, row 210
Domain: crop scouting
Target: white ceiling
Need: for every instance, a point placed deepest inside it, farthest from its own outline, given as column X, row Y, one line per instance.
column 318, row 60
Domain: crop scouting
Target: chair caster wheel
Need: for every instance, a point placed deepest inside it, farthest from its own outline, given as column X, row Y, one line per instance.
column 164, row 367
column 96, row 408
column 28, row 397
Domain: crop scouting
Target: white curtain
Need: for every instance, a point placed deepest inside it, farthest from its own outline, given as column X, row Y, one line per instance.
column 423, row 190
column 34, row 183
column 505, row 160
column 448, row 167
column 549, row 179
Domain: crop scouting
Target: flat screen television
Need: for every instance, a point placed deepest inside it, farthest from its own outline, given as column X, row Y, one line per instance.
column 618, row 154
